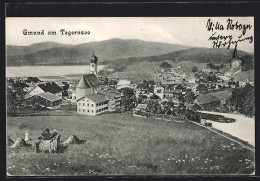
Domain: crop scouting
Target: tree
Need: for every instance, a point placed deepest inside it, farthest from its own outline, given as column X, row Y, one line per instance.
column 189, row 96
column 243, row 100
column 165, row 65
column 15, row 96
column 202, row 88
column 129, row 99
column 195, row 69
column 65, row 88
column 146, row 85
column 33, row 79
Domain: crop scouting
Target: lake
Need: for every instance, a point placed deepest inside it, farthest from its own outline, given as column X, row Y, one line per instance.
column 41, row 71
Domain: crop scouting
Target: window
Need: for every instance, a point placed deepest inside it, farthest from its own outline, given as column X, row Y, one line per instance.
column 92, row 111
column 83, row 104
column 97, row 104
column 83, row 110
column 88, row 104
column 92, row 65
column 88, row 110
column 92, row 105
column 79, row 110
column 97, row 111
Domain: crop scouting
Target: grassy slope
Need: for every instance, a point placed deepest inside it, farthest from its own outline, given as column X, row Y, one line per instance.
column 123, row 144
column 144, row 70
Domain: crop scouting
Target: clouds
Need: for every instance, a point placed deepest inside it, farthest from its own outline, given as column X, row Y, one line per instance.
column 189, row 31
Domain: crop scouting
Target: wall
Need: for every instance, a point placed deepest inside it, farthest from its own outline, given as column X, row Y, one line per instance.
column 84, row 106
column 82, row 92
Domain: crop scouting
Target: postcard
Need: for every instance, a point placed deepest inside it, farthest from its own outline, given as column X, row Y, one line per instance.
column 102, row 96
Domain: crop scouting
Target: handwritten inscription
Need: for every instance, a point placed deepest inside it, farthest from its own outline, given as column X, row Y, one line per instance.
column 219, row 39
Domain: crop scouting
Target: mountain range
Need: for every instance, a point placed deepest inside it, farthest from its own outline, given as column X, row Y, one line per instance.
column 51, row 53
column 116, row 51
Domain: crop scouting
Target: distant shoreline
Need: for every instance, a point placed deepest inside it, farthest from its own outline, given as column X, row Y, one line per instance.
column 48, row 70
column 51, row 65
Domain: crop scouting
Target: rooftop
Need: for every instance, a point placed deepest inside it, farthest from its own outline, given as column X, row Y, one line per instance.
column 111, row 93
column 96, row 97
column 205, row 99
column 49, row 96
column 141, row 106
column 89, row 81
column 51, row 87
column 124, row 82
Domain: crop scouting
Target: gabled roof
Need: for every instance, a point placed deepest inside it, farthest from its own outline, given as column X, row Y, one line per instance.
column 96, row 97
column 124, row 82
column 141, row 106
column 110, row 94
column 49, row 96
column 89, row 81
column 51, row 87
column 225, row 94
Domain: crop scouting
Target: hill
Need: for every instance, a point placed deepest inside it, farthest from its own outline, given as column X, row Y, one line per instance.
column 51, row 53
column 195, row 55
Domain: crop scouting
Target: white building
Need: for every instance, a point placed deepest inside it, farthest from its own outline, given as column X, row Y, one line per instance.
column 159, row 90
column 123, row 83
column 92, row 104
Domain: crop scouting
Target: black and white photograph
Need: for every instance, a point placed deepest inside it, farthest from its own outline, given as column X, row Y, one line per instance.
column 102, row 96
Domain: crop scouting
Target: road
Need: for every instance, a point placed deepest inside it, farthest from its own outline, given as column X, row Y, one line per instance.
column 243, row 128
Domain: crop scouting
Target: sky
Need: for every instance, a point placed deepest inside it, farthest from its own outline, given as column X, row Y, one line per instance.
column 189, row 31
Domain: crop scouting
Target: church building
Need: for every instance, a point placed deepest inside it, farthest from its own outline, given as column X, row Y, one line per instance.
column 89, row 84
column 91, row 99
column 235, row 61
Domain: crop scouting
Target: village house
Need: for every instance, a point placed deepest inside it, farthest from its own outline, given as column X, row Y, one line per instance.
column 50, row 87
column 222, row 96
column 92, row 104
column 159, row 90
column 207, row 101
column 172, row 92
column 97, row 103
column 124, row 83
column 114, row 98
column 141, row 107
column 45, row 99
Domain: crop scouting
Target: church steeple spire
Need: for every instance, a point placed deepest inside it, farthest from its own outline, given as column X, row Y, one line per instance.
column 93, row 64
column 235, row 52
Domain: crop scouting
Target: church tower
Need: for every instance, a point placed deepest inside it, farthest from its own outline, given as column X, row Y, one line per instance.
column 93, row 64
column 235, row 61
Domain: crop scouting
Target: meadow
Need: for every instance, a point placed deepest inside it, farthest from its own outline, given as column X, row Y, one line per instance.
column 120, row 144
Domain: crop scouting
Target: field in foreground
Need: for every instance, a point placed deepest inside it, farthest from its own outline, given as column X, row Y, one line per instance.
column 120, row 144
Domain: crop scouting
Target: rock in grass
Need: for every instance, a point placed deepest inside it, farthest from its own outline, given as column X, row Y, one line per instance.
column 19, row 143
column 73, row 140
column 10, row 142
